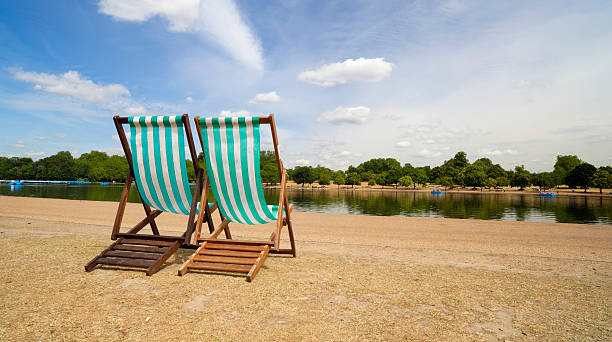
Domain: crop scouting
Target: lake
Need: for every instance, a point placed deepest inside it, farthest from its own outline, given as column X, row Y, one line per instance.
column 483, row 206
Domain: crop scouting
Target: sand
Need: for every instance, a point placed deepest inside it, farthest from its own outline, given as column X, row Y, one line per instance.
column 355, row 278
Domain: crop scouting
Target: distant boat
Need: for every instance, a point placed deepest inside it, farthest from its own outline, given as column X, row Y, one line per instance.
column 548, row 194
column 103, row 183
column 437, row 192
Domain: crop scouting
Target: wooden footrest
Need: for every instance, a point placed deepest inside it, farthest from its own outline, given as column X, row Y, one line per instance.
column 227, row 255
column 140, row 252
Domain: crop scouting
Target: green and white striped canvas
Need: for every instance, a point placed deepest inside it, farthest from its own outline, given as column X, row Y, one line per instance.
column 231, row 147
column 158, row 157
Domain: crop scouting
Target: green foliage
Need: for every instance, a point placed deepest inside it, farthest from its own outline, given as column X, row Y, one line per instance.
column 406, row 181
column 580, row 176
column 268, row 167
column 324, row 178
column 353, row 179
column 474, row 175
column 563, row 166
column 372, row 181
column 446, row 182
column 601, row 179
column 490, row 183
column 303, row 175
column 544, row 180
column 520, row 177
column 339, row 178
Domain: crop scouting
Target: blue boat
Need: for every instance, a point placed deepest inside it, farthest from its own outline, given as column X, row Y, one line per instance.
column 103, row 183
column 548, row 194
column 437, row 192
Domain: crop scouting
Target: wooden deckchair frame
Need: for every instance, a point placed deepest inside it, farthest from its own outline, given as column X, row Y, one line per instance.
column 172, row 242
column 262, row 247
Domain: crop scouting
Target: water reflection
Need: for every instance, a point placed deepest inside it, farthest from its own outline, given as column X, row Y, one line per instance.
column 485, row 206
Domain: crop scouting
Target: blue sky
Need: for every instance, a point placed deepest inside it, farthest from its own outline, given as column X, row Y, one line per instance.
column 518, row 82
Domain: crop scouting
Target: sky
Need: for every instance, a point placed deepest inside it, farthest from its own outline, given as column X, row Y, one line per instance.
column 518, row 82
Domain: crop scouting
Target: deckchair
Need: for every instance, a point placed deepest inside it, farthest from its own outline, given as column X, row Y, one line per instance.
column 231, row 148
column 157, row 164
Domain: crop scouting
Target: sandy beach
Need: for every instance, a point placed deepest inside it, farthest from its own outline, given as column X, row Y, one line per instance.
column 355, row 278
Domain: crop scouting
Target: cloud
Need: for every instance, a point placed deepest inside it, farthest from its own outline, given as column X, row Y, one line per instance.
column 18, row 144
column 34, row 154
column 302, row 162
column 402, row 144
column 270, row 97
column 42, row 138
column 138, row 110
column 342, row 115
column 72, row 84
column 218, row 21
column 60, row 135
column 188, row 99
column 360, row 69
column 181, row 15
column 498, row 152
column 225, row 113
column 425, row 153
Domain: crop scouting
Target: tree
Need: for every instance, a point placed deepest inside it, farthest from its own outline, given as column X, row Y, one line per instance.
column 601, row 179
column 372, row 181
column 406, row 181
column 339, row 178
column 446, row 182
column 460, row 160
column 521, row 177
column 580, row 176
column 563, row 166
column 544, row 180
column 474, row 175
column 490, row 183
column 303, row 175
column 353, row 179
column 486, row 163
column 418, row 175
column 324, row 178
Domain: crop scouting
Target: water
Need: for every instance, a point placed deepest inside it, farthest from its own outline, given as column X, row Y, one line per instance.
column 484, row 206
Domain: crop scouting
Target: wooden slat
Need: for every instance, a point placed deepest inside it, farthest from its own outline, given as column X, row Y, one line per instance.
column 220, row 267
column 125, row 262
column 238, row 242
column 222, row 252
column 257, row 265
column 131, row 255
column 140, row 249
column 146, row 242
column 158, row 264
column 225, row 260
column 234, row 247
column 151, row 237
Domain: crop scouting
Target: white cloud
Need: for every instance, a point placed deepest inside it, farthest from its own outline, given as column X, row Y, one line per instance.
column 188, row 99
column 270, row 97
column 18, row 144
column 402, row 144
column 116, row 137
column 428, row 154
column 180, row 14
column 42, row 138
column 498, row 152
column 225, row 113
column 302, row 162
column 342, row 115
column 34, row 154
column 138, row 110
column 60, row 135
column 72, row 84
column 219, row 21
column 348, row 154
column 360, row 69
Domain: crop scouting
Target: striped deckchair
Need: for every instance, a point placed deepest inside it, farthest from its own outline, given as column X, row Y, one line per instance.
column 231, row 147
column 156, row 157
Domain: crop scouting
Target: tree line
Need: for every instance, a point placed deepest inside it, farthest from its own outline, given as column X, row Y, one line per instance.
column 458, row 171
column 98, row 166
